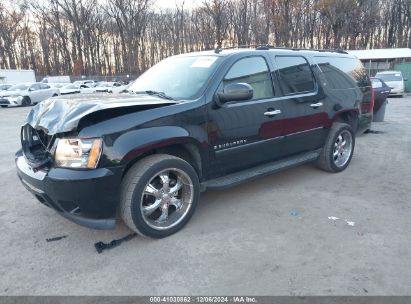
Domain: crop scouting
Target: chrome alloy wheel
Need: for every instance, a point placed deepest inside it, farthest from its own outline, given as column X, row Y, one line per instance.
column 167, row 199
column 342, row 148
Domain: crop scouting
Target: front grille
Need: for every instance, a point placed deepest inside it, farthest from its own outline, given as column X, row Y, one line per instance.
column 36, row 145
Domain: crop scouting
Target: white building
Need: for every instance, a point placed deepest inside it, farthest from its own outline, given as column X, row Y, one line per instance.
column 382, row 59
column 17, row 76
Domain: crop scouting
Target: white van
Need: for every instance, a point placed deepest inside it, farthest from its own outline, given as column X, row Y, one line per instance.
column 394, row 80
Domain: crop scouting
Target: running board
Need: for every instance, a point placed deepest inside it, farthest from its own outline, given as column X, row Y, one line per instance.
column 261, row 170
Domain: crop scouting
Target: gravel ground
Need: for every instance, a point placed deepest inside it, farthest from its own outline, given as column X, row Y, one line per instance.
column 272, row 236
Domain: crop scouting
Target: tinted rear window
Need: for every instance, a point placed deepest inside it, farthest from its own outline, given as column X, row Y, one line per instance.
column 343, row 72
column 294, row 74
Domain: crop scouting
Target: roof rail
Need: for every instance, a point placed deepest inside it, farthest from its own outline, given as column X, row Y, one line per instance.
column 270, row 47
column 245, row 46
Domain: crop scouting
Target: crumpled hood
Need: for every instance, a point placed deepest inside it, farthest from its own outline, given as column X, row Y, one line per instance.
column 63, row 114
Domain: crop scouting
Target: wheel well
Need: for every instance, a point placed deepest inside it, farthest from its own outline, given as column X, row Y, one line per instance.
column 349, row 118
column 188, row 152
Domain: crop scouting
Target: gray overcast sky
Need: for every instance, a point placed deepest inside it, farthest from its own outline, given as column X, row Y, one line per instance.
column 172, row 3
column 166, row 3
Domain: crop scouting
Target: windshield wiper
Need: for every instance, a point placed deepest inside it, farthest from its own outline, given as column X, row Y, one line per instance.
column 155, row 93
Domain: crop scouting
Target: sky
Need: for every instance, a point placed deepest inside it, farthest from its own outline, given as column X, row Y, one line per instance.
column 172, row 3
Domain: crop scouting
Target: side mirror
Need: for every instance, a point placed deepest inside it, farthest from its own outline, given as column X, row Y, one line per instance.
column 235, row 92
column 405, row 79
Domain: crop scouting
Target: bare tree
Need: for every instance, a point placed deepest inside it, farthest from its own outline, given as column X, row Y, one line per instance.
column 107, row 37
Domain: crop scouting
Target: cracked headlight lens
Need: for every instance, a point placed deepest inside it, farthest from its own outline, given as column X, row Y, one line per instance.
column 78, row 153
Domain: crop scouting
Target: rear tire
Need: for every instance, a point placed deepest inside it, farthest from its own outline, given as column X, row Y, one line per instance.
column 159, row 195
column 338, row 149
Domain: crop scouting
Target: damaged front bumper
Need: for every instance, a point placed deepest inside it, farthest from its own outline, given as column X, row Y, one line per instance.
column 87, row 197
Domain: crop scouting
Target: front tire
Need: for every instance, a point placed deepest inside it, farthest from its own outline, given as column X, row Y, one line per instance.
column 26, row 101
column 159, row 195
column 338, row 149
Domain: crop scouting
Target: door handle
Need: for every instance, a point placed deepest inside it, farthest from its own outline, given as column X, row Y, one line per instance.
column 272, row 112
column 316, row 105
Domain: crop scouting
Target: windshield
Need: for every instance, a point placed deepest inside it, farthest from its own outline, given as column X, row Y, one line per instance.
column 390, row 77
column 18, row 87
column 177, row 77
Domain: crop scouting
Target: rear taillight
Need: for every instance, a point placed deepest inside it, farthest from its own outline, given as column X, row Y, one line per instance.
column 368, row 106
column 372, row 100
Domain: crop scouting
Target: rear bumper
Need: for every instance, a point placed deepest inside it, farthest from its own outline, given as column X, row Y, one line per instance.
column 88, row 197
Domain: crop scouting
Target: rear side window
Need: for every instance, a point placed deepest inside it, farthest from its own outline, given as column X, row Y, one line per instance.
column 294, row 74
column 254, row 71
column 44, row 86
column 343, row 72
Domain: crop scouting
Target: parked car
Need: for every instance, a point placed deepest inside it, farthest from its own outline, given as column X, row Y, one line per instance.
column 4, row 86
column 85, row 83
column 106, row 86
column 394, row 80
column 381, row 91
column 197, row 121
column 56, row 79
column 26, row 94
column 58, row 85
column 70, row 89
column 119, row 89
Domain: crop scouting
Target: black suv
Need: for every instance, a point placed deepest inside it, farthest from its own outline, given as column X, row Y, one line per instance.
column 195, row 121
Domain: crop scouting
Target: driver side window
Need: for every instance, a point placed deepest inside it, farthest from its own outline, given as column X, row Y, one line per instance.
column 254, row 71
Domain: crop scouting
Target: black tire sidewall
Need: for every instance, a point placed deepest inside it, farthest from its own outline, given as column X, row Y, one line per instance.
column 334, row 167
column 25, row 101
column 136, row 215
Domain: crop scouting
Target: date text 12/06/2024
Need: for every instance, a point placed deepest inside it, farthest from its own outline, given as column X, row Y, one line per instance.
column 200, row 299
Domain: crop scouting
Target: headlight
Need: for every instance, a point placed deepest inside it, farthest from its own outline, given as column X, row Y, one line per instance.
column 17, row 98
column 78, row 153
